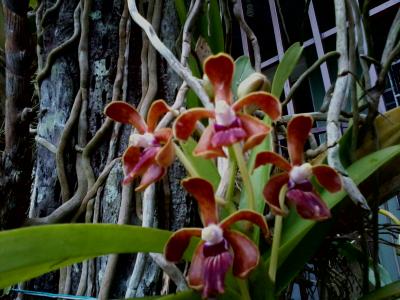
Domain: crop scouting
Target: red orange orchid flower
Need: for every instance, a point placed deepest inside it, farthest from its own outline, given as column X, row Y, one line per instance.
column 297, row 175
column 151, row 150
column 229, row 124
column 220, row 247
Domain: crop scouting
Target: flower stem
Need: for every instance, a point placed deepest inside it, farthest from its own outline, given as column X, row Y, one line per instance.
column 185, row 161
column 273, row 265
column 244, row 290
column 245, row 175
column 232, row 176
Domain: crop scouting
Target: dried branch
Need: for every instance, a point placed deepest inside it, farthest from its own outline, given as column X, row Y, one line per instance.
column 54, row 53
column 183, row 72
column 333, row 125
column 148, row 221
column 306, row 73
column 60, row 165
column 238, row 12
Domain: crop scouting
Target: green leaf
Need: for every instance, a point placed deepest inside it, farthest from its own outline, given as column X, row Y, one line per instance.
column 383, row 274
column 260, row 176
column 243, row 69
column 390, row 291
column 29, row 252
column 211, row 26
column 204, row 167
column 192, row 295
column 295, row 228
column 285, row 68
column 33, row 3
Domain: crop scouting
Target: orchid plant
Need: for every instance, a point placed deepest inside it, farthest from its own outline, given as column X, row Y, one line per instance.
column 232, row 131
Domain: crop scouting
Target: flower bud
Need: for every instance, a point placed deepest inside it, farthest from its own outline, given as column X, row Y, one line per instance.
column 255, row 82
column 208, row 87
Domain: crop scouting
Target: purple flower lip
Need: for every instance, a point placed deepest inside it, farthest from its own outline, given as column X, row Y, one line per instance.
column 218, row 260
column 305, row 185
column 216, row 249
column 236, row 123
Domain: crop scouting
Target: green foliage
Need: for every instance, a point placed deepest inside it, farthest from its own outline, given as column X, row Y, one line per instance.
column 299, row 242
column 390, row 291
column 29, row 252
column 204, row 167
column 285, row 68
column 243, row 69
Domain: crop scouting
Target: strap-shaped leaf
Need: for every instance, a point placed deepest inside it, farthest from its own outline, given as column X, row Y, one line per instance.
column 285, row 68
column 29, row 252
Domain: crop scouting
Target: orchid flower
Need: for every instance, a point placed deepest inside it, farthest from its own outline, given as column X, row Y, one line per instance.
column 229, row 125
column 151, row 150
column 220, row 247
column 297, row 175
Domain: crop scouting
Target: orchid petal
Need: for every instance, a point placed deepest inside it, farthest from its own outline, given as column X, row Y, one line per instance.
column 227, row 137
column 185, row 124
column 157, row 109
column 125, row 113
column 246, row 215
column 269, row 157
column 219, row 70
column 266, row 102
column 146, row 159
column 328, row 178
column 178, row 242
column 130, row 158
column 308, row 204
column 203, row 192
column 272, row 190
column 163, row 135
column 166, row 155
column 196, row 270
column 153, row 173
column 298, row 130
column 256, row 131
column 246, row 255
column 204, row 147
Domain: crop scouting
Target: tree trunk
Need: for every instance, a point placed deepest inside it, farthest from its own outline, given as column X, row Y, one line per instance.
column 86, row 142
column 16, row 162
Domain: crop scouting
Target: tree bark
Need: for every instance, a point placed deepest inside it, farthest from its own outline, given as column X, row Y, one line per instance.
column 16, row 163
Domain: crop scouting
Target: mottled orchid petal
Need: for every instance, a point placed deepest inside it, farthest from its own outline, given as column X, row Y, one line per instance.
column 255, row 129
column 178, row 242
column 185, row 124
column 245, row 253
column 165, row 157
column 227, row 137
column 219, row 69
column 269, row 157
column 246, row 215
column 204, row 147
column 203, row 192
column 272, row 190
column 266, row 102
column 156, row 110
column 130, row 158
column 152, row 174
column 146, row 159
column 298, row 130
column 196, row 270
column 308, row 204
column 125, row 113
column 328, row 178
